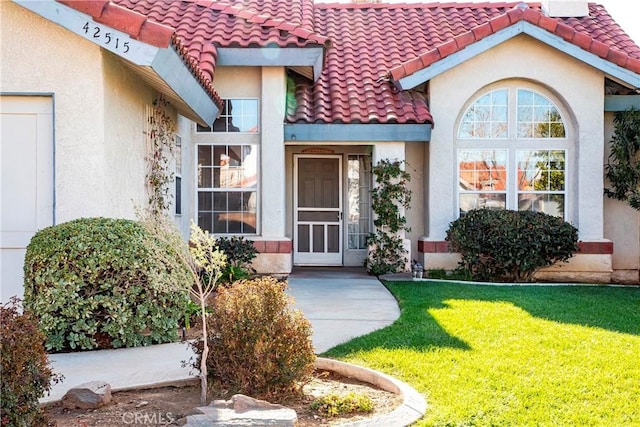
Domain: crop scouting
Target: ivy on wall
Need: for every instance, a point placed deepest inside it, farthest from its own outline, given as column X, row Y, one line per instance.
column 623, row 166
column 160, row 150
column 386, row 251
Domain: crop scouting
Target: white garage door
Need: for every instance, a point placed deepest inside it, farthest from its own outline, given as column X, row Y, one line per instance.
column 26, row 157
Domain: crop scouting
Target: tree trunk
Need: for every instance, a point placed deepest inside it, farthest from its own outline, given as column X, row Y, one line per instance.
column 205, row 354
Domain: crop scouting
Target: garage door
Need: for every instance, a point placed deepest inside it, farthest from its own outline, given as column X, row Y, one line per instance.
column 26, row 157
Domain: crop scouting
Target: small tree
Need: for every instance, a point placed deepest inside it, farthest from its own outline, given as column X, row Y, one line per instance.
column 386, row 252
column 205, row 263
column 623, row 167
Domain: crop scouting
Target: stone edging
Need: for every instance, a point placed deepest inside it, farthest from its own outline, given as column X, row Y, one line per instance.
column 413, row 406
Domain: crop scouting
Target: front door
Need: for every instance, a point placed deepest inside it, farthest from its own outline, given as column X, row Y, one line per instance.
column 318, row 210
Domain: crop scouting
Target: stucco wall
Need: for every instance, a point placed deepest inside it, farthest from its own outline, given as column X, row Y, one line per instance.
column 125, row 142
column 579, row 89
column 622, row 226
column 98, row 113
column 576, row 87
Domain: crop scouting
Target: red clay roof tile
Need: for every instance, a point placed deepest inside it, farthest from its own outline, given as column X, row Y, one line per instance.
column 368, row 45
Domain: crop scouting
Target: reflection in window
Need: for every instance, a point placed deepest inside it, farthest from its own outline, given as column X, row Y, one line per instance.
column 227, row 184
column 487, row 117
column 359, row 188
column 237, row 115
column 538, row 117
column 482, row 179
column 541, row 181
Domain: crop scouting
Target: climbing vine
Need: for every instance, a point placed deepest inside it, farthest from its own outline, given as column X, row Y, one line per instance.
column 161, row 148
column 386, row 252
column 623, row 167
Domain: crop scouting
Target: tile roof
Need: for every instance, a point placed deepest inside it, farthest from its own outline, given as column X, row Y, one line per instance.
column 206, row 25
column 373, row 43
column 141, row 28
column 597, row 33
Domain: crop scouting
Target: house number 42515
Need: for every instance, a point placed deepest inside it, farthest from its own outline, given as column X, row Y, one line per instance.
column 105, row 37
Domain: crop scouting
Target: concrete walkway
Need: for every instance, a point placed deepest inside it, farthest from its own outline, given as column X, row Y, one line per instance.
column 341, row 303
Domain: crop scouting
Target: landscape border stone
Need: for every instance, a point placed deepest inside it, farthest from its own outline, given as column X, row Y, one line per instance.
column 413, row 406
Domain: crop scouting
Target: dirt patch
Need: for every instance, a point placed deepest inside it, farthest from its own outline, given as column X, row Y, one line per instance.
column 166, row 405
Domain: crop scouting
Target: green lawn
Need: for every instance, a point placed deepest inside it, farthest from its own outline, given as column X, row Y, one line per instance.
column 512, row 356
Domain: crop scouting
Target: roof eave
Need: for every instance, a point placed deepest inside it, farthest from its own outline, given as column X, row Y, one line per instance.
column 352, row 132
column 423, row 75
column 162, row 68
column 311, row 56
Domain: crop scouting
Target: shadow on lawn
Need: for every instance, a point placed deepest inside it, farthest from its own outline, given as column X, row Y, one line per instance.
column 615, row 309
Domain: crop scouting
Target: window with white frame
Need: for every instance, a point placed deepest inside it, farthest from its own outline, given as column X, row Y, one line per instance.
column 512, row 153
column 227, row 174
column 237, row 115
column 359, row 196
column 227, row 188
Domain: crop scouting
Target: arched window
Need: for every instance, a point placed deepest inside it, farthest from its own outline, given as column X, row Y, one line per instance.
column 512, row 152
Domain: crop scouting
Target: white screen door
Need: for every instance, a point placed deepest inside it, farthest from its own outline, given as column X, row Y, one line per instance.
column 318, row 210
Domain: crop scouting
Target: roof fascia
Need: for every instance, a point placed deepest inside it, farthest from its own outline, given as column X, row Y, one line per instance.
column 522, row 27
column 273, row 56
column 170, row 67
column 349, row 133
column 193, row 101
column 621, row 102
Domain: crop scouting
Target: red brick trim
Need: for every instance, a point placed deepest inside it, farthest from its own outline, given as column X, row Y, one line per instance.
column 585, row 248
column 433, row 247
column 273, row 246
column 595, row 248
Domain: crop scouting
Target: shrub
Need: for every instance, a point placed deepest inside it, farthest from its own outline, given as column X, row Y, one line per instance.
column 26, row 374
column 386, row 251
column 334, row 405
column 258, row 345
column 503, row 245
column 240, row 252
column 103, row 283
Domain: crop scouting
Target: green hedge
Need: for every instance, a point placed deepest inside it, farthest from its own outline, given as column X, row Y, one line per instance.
column 103, row 283
column 510, row 246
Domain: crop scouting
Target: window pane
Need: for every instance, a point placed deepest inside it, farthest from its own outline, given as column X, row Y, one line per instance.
column 482, row 170
column 541, row 181
column 204, row 155
column 238, row 115
column 469, row 201
column 486, row 117
column 551, row 204
column 359, row 200
column 205, row 201
column 538, row 117
column 541, row 170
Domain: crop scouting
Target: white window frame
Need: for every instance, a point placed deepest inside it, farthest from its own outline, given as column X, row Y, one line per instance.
column 255, row 146
column 513, row 144
column 211, row 129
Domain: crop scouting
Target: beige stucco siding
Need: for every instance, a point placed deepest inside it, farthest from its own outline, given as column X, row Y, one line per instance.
column 621, row 225
column 98, row 113
column 577, row 87
column 125, row 101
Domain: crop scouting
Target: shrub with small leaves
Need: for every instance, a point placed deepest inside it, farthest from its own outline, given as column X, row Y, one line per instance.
column 240, row 252
column 334, row 404
column 510, row 246
column 258, row 345
column 104, row 283
column 26, row 375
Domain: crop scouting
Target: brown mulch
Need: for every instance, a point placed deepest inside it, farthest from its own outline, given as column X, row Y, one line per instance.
column 166, row 405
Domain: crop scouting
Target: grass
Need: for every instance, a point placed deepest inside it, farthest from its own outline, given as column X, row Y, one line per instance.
column 512, row 356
